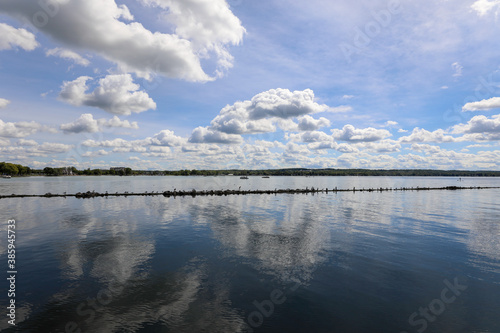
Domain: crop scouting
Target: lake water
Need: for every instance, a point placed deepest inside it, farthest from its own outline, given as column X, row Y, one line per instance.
column 422, row 261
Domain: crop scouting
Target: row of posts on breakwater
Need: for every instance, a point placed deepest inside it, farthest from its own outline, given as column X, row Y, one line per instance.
column 194, row 193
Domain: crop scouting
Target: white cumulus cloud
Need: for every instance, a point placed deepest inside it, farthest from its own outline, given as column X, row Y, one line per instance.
column 295, row 149
column 68, row 55
column 30, row 148
column 426, row 148
column 18, row 130
column 11, row 37
column 52, row 148
column 4, row 103
column 283, row 103
column 480, row 128
column 312, row 136
column 206, row 135
column 208, row 24
column 308, row 123
column 110, row 30
column 381, row 147
column 87, row 123
column 234, row 119
column 421, row 135
column 116, row 94
column 260, row 114
column 317, row 140
column 166, row 138
column 390, row 123
column 117, row 122
column 24, row 142
column 483, row 7
column 115, row 143
column 484, row 105
column 351, row 134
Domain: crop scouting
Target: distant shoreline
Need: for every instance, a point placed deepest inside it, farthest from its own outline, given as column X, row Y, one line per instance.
column 17, row 170
column 266, row 174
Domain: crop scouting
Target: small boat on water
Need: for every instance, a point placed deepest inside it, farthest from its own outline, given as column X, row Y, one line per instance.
column 6, row 176
column 265, row 177
column 243, row 177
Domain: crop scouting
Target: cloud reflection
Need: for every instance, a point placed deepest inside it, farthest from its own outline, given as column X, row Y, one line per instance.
column 283, row 236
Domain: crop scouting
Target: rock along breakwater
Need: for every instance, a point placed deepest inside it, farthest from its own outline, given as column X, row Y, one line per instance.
column 194, row 193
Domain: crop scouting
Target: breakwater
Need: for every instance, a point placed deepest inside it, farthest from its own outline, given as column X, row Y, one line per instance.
column 194, row 193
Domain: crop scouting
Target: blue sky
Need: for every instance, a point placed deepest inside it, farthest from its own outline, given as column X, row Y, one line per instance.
column 215, row 84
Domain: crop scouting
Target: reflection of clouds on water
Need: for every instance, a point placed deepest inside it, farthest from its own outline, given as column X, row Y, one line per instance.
column 484, row 241
column 27, row 212
column 119, row 251
column 73, row 264
column 183, row 301
column 205, row 303
column 285, row 234
column 124, row 254
column 114, row 247
column 182, row 297
column 168, row 210
column 112, row 250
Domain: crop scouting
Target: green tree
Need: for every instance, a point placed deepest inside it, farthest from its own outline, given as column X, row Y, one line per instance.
column 11, row 169
column 48, row 171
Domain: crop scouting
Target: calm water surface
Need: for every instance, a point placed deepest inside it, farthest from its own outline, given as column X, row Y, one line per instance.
column 346, row 262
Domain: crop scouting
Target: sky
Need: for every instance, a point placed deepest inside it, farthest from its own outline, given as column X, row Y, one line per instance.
column 250, row 84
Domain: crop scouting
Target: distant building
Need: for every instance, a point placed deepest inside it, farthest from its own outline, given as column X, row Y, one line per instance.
column 117, row 169
column 67, row 171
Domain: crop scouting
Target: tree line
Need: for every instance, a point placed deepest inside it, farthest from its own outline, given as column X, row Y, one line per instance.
column 11, row 169
column 20, row 170
column 72, row 171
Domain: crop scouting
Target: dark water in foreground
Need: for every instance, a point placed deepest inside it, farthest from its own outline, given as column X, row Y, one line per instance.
column 346, row 262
